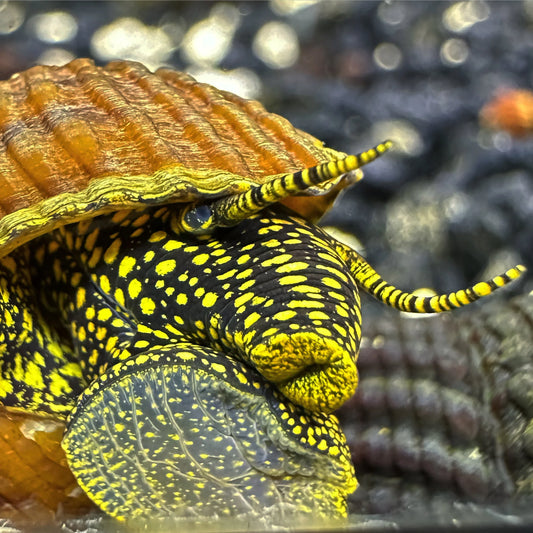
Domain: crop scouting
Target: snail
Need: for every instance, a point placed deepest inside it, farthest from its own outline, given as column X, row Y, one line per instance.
column 168, row 297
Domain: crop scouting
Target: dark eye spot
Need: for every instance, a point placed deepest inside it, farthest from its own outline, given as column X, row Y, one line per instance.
column 198, row 216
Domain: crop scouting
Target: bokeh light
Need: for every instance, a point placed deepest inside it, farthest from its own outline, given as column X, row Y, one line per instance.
column 454, row 51
column 207, row 42
column 402, row 133
column 391, row 13
column 11, row 17
column 241, row 81
column 276, row 44
column 387, row 56
column 55, row 56
column 129, row 38
column 290, row 7
column 54, row 26
column 460, row 16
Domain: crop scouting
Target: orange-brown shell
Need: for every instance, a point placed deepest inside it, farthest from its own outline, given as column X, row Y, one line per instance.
column 79, row 140
column 35, row 480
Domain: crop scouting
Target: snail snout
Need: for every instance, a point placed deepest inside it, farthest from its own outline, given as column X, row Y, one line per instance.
column 313, row 371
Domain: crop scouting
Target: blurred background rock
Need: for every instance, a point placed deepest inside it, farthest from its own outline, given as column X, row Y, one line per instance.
column 453, row 204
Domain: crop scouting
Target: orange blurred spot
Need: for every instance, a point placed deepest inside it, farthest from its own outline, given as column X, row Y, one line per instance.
column 510, row 110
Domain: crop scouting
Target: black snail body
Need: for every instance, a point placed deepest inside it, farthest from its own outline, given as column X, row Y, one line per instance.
column 196, row 334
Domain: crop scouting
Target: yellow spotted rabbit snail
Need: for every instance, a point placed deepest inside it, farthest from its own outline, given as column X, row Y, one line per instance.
column 166, row 294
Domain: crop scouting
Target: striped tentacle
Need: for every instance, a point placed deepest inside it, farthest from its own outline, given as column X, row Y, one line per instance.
column 231, row 210
column 369, row 280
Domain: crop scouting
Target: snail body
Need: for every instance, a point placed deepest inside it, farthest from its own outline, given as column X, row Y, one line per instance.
column 168, row 297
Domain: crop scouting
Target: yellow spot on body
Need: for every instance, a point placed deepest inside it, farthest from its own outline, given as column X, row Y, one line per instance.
column 164, row 267
column 330, row 282
column 95, row 257
column 272, row 243
column 209, row 299
column 104, row 283
column 91, row 239
column 335, row 261
column 284, row 315
column 482, row 289
column 318, row 315
column 223, row 260
column 58, row 385
column 200, row 259
column 134, row 288
column 104, row 314
column 142, row 219
column 227, row 275
column 111, row 341
column 292, row 280
column 80, row 297
column 118, row 217
column 244, row 274
column 247, row 284
column 33, row 376
column 292, row 267
column 277, row 260
column 340, row 329
column 157, row 236
column 142, row 344
column 305, row 304
column 251, row 319
column 241, row 300
column 172, row 244
column 147, row 306
column 199, row 292
column 126, row 266
column 182, row 299
column 93, row 358
column 111, row 253
column 217, row 367
column 119, row 297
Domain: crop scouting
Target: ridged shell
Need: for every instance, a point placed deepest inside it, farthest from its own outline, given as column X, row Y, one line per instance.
column 79, row 140
column 34, row 476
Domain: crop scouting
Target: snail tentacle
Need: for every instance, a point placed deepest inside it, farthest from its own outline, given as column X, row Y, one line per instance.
column 372, row 283
column 231, row 210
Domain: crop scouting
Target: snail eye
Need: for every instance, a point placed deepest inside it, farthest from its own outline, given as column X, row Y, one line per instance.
column 198, row 220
